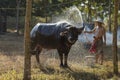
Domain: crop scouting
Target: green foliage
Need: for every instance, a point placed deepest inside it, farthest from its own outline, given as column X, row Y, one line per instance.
column 47, row 8
column 8, row 7
column 97, row 8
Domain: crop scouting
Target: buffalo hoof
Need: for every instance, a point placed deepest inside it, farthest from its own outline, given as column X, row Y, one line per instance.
column 61, row 66
column 66, row 66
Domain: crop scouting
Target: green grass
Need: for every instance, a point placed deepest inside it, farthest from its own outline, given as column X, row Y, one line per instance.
column 56, row 75
column 86, row 74
column 50, row 73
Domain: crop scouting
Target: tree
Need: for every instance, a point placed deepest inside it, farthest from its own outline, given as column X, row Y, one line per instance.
column 115, row 56
column 8, row 8
column 17, row 15
column 89, row 11
column 46, row 8
column 109, row 24
column 27, row 63
column 5, row 12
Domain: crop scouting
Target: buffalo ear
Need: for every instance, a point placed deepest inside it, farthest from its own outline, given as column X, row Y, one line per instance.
column 63, row 33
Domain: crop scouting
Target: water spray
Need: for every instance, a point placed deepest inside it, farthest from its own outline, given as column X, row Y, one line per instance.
column 73, row 16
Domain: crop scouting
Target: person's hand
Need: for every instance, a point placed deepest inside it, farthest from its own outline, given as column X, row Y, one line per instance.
column 95, row 38
column 84, row 31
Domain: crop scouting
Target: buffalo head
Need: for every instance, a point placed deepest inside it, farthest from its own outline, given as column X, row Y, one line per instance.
column 71, row 34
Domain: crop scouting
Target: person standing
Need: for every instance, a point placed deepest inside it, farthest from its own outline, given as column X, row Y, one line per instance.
column 99, row 40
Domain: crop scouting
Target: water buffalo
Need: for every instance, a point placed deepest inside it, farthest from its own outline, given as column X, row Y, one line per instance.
column 60, row 36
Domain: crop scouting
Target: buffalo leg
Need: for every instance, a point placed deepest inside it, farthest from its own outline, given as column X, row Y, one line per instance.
column 33, row 45
column 61, row 58
column 67, row 49
column 38, row 51
column 65, row 60
column 37, row 57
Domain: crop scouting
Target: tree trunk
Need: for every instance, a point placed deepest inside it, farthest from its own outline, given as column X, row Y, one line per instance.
column 27, row 63
column 109, row 16
column 5, row 23
column 115, row 56
column 89, row 12
column 17, row 16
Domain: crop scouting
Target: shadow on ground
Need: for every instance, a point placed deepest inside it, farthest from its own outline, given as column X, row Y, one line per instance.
column 76, row 75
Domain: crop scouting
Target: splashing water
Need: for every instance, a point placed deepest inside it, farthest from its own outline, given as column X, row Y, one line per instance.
column 75, row 16
column 71, row 15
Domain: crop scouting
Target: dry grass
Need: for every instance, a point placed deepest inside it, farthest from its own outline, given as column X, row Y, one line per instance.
column 12, row 63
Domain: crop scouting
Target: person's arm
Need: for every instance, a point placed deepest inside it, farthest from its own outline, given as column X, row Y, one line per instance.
column 92, row 31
